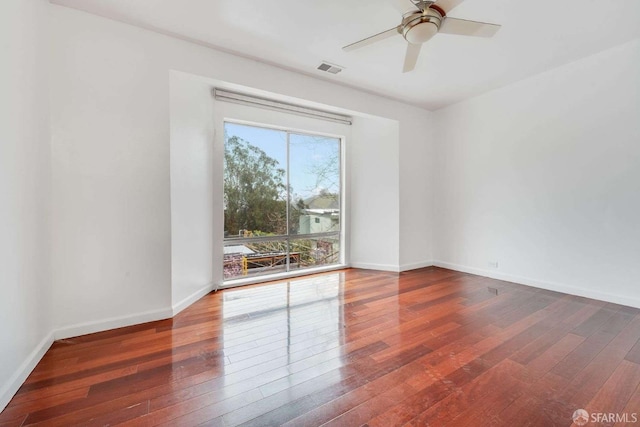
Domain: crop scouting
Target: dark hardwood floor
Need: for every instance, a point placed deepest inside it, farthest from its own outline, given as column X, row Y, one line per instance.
column 426, row 347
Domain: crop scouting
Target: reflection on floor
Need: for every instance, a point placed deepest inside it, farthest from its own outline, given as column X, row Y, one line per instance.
column 426, row 347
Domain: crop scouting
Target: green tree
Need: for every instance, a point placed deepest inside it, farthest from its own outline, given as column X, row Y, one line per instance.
column 254, row 189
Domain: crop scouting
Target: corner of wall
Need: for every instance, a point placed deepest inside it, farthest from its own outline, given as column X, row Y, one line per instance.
column 14, row 383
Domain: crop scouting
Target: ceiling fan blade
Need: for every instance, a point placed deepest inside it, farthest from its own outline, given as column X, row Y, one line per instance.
column 463, row 27
column 402, row 5
column 370, row 40
column 411, row 57
column 448, row 5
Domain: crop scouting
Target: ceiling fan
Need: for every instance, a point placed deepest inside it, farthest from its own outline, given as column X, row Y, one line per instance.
column 423, row 20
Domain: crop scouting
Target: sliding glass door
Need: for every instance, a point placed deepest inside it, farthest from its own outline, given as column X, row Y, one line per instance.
column 282, row 201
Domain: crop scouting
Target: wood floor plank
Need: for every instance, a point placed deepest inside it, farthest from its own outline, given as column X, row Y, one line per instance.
column 355, row 347
column 634, row 354
column 457, row 366
column 617, row 391
column 633, row 407
column 461, row 406
column 586, row 384
column 593, row 345
column 529, row 408
column 21, row 410
column 16, row 421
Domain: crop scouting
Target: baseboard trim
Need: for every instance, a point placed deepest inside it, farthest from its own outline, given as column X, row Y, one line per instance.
column 390, row 267
column 186, row 302
column 416, row 265
column 551, row 286
column 381, row 267
column 15, row 382
column 112, row 323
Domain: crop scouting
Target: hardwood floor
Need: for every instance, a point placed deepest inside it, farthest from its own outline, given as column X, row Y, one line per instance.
column 426, row 347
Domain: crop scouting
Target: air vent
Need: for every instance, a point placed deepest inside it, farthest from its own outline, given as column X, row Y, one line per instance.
column 330, row 68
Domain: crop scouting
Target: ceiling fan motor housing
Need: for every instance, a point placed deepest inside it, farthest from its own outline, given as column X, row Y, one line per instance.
column 418, row 27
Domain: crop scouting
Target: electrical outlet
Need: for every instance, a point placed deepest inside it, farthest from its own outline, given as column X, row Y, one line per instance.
column 493, row 264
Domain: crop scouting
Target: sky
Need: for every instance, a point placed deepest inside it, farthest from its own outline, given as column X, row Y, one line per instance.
column 309, row 154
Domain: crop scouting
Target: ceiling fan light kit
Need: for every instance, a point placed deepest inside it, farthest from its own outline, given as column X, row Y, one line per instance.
column 419, row 25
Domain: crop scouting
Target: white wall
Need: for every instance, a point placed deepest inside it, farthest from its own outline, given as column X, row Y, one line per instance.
column 111, row 216
column 192, row 188
column 110, row 122
column 374, row 194
column 416, row 192
column 543, row 176
column 25, row 192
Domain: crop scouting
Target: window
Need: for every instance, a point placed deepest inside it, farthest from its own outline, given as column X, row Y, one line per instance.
column 282, row 200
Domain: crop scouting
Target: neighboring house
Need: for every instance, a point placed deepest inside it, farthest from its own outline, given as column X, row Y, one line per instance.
column 321, row 214
column 238, row 249
column 319, row 220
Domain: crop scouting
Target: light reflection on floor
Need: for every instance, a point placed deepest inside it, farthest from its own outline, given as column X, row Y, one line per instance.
column 274, row 329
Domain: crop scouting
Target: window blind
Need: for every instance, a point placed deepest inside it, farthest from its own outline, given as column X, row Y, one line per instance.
column 270, row 104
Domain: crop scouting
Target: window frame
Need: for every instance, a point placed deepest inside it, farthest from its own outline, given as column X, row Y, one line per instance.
column 340, row 234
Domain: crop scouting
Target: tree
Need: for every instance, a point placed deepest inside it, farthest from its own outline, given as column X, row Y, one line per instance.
column 254, row 189
column 327, row 175
column 256, row 198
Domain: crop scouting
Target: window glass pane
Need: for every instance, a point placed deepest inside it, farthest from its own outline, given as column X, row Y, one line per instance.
column 314, row 182
column 255, row 177
column 256, row 259
column 315, row 252
column 268, row 173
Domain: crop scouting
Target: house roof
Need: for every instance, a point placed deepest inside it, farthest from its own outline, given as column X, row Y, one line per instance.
column 323, row 201
column 238, row 249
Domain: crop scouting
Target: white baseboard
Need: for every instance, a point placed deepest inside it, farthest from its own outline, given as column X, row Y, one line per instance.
column 9, row 389
column 416, row 265
column 551, row 286
column 390, row 267
column 112, row 323
column 186, row 302
column 381, row 267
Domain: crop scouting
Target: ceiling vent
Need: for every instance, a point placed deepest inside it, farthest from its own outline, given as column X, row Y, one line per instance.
column 329, row 68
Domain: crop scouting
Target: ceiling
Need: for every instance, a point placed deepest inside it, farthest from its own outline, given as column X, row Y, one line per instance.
column 299, row 34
